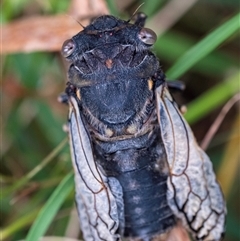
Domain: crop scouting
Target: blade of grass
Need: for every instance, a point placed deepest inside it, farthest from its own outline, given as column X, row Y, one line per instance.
column 151, row 7
column 215, row 63
column 112, row 7
column 168, row 15
column 204, row 47
column 18, row 224
column 50, row 209
column 11, row 8
column 33, row 172
column 218, row 121
column 232, row 228
column 230, row 162
column 212, row 98
column 46, row 116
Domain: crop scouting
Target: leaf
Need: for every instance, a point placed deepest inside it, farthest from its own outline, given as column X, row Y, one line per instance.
column 204, row 47
column 50, row 209
column 212, row 98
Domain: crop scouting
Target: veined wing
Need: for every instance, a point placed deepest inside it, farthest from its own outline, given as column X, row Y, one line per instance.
column 97, row 207
column 193, row 192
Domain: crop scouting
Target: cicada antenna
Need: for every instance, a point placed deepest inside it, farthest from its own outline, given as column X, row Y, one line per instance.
column 76, row 20
column 136, row 11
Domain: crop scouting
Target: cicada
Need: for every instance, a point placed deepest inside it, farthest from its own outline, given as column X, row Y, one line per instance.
column 138, row 168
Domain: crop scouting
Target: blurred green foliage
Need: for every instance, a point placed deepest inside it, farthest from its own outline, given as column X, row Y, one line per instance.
column 34, row 153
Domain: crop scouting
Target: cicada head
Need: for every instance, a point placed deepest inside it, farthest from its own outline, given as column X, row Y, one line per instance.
column 108, row 31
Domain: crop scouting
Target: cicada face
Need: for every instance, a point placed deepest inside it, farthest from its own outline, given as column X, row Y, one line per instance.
column 138, row 169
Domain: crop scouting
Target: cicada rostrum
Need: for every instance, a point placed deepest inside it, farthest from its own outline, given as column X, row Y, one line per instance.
column 138, row 168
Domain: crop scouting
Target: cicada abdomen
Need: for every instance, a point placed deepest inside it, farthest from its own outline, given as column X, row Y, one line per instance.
column 138, row 170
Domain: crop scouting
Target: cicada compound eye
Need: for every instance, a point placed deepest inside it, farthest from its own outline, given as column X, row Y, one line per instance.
column 147, row 36
column 68, row 48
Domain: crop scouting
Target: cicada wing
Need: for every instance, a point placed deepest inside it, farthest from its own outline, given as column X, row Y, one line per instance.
column 193, row 192
column 96, row 205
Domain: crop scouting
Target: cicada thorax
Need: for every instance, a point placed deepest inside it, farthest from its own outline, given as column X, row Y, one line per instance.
column 121, row 119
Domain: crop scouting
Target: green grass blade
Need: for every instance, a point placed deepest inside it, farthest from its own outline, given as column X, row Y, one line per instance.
column 151, row 7
column 204, row 47
column 212, row 98
column 214, row 64
column 50, row 209
column 112, row 8
column 37, row 169
column 18, row 224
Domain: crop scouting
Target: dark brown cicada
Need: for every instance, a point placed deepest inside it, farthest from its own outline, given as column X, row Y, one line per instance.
column 138, row 168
